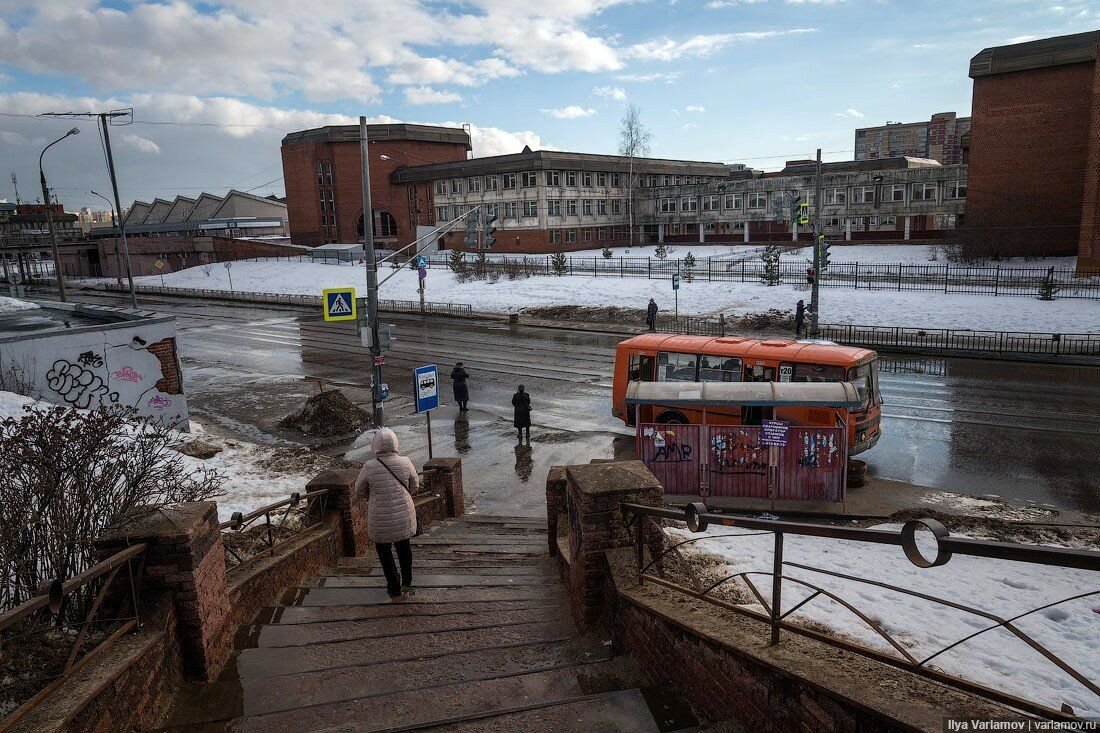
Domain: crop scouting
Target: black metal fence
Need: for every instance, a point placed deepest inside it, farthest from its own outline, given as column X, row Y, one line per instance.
column 896, row 338
column 904, row 652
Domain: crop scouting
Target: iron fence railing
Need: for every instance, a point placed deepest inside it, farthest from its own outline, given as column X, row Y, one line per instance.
column 649, row 535
column 65, row 625
column 889, row 338
column 257, row 533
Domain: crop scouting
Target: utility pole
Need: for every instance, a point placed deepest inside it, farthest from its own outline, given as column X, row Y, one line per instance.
column 815, row 288
column 114, row 225
column 372, row 278
column 15, row 185
column 49, row 217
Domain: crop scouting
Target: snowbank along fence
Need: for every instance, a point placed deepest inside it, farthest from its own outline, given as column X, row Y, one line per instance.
column 896, row 338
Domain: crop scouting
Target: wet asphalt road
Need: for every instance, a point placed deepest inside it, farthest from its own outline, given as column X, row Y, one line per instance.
column 1023, row 432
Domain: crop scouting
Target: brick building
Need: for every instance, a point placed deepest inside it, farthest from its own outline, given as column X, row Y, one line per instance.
column 322, row 173
column 1035, row 147
column 939, row 139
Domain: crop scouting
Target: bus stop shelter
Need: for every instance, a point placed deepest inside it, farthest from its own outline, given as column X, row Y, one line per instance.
column 775, row 460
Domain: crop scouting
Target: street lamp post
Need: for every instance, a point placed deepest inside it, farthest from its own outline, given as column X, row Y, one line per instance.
column 372, row 278
column 114, row 226
column 49, row 216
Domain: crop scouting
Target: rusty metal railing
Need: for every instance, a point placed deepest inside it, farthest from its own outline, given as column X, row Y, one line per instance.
column 50, row 612
column 649, row 534
column 246, row 538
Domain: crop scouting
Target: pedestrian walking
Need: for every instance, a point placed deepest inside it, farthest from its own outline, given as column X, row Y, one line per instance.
column 389, row 480
column 651, row 315
column 799, row 318
column 462, row 391
column 521, row 408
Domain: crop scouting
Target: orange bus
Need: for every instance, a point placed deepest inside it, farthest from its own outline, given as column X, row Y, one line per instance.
column 667, row 358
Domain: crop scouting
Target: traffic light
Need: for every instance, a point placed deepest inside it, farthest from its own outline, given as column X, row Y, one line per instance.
column 489, row 226
column 471, row 230
column 824, row 254
column 803, row 212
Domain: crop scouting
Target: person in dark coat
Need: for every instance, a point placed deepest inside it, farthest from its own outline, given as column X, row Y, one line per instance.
column 799, row 318
column 651, row 315
column 521, row 406
column 462, row 392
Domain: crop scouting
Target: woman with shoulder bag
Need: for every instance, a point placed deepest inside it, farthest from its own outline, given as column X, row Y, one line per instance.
column 389, row 480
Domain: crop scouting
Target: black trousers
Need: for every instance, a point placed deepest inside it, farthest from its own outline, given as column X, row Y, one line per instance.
column 404, row 555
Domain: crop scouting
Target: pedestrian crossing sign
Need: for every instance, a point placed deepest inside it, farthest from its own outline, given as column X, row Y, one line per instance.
column 339, row 304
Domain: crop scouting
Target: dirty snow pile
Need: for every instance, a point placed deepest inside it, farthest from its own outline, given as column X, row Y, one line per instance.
column 839, row 305
column 13, row 305
column 997, row 658
column 254, row 474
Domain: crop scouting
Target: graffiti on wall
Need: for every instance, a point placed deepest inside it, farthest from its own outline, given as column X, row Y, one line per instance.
column 80, row 387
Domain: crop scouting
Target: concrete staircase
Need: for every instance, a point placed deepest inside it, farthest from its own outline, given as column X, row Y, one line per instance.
column 484, row 643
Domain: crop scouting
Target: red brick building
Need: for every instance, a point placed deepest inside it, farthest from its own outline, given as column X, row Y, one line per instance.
column 1034, row 154
column 322, row 172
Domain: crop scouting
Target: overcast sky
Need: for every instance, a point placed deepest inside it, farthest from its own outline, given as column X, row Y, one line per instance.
column 215, row 85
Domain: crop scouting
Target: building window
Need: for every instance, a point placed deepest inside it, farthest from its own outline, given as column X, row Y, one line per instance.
column 586, row 207
column 832, row 221
column 510, row 209
column 616, row 180
column 492, row 183
column 897, row 193
column 384, row 224
column 668, row 206
column 836, row 196
column 441, row 213
column 586, row 180
column 734, row 201
column 924, row 192
column 601, row 180
column 555, row 236
column 320, row 175
column 570, row 236
column 651, row 181
column 710, row 203
column 553, row 207
column 570, row 178
column 956, row 190
column 530, row 208
column 689, row 203
column 328, row 171
column 601, row 207
column 475, row 185
column 616, row 206
column 441, row 188
column 553, row 178
column 324, row 203
column 601, row 233
column 456, row 185
column 587, row 234
column 492, row 209
column 529, row 179
column 863, row 195
column 757, row 201
column 509, row 181
column 571, row 207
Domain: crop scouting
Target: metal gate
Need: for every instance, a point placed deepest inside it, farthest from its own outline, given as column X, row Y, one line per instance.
column 731, row 461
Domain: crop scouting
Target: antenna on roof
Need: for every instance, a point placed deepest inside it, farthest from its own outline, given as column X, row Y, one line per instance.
column 15, row 185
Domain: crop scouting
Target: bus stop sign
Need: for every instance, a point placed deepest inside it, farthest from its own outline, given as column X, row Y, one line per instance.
column 426, row 381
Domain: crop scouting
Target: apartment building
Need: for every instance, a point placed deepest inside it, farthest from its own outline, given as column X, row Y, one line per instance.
column 938, row 139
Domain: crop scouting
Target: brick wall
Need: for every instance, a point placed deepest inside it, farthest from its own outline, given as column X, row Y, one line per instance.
column 177, row 253
column 172, row 380
column 1088, row 246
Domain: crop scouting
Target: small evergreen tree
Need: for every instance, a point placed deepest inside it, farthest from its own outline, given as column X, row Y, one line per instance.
column 606, row 253
column 481, row 266
column 770, row 256
column 661, row 252
column 689, row 267
column 558, row 264
column 456, row 261
column 1047, row 288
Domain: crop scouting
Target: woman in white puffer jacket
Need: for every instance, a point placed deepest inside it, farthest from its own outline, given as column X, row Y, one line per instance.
column 389, row 481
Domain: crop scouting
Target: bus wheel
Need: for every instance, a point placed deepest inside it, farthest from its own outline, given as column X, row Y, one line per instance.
column 671, row 417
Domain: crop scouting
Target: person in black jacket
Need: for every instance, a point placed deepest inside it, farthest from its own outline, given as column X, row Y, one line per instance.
column 651, row 315
column 462, row 392
column 799, row 318
column 521, row 419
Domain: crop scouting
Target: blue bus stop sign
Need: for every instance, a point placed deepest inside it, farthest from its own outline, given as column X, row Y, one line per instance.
column 675, row 281
column 426, row 382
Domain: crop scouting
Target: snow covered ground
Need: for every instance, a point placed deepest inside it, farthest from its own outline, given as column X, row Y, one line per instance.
column 997, row 659
column 13, row 305
column 839, row 305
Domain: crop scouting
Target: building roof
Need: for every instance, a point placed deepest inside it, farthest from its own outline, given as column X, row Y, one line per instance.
column 1041, row 54
column 554, row 160
column 800, row 168
column 350, row 134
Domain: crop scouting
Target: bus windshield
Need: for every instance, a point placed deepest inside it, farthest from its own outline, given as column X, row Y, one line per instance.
column 865, row 380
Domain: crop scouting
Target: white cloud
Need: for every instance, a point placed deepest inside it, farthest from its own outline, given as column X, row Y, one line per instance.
column 12, row 138
column 427, row 95
column 668, row 77
column 689, row 126
column 616, row 93
column 142, row 144
column 695, row 108
column 850, row 113
column 570, row 112
column 667, row 49
column 716, row 4
column 815, row 2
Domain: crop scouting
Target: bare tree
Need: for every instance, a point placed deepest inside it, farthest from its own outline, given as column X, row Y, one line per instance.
column 634, row 141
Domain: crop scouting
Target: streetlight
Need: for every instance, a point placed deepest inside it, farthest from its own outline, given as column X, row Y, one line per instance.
column 49, row 216
column 114, row 226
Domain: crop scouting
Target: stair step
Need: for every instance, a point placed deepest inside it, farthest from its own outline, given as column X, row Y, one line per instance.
column 319, row 614
column 443, row 555
column 199, row 703
column 375, row 596
column 426, row 580
column 616, row 712
column 270, row 662
column 279, row 635
column 439, row 567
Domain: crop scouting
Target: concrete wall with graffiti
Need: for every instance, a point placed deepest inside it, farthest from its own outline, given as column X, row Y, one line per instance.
column 108, row 356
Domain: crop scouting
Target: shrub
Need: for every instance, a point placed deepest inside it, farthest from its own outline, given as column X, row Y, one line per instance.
column 770, row 256
column 558, row 264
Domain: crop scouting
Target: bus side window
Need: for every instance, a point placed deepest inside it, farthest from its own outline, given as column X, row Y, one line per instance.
column 640, row 368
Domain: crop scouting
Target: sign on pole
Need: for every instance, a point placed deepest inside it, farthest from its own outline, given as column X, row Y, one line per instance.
column 339, row 304
column 774, row 432
column 675, row 281
column 426, row 380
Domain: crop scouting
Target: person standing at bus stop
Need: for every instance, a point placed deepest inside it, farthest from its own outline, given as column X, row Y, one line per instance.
column 799, row 318
column 651, row 315
column 521, row 417
column 461, row 390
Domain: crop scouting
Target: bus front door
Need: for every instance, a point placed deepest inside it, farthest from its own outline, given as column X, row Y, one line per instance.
column 640, row 369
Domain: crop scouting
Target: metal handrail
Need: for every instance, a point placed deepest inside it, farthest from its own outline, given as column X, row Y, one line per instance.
column 271, row 537
column 698, row 518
